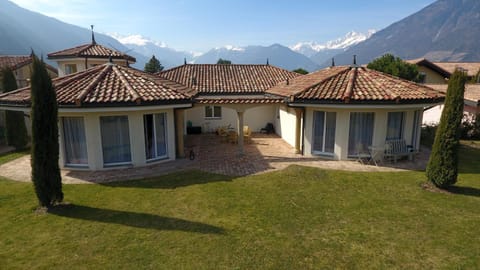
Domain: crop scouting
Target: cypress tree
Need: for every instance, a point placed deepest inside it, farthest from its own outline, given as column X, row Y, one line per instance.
column 45, row 148
column 14, row 121
column 442, row 168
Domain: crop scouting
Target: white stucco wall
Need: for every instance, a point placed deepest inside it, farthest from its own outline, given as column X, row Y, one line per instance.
column 432, row 115
column 343, row 123
column 136, row 133
column 80, row 63
column 285, row 124
column 255, row 117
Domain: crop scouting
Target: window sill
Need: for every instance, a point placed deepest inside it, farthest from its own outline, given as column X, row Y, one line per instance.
column 213, row 118
column 120, row 164
column 153, row 160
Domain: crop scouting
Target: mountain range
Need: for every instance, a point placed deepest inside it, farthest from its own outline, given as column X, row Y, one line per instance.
column 22, row 31
column 446, row 30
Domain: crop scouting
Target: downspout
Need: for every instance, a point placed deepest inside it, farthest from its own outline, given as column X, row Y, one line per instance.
column 303, row 131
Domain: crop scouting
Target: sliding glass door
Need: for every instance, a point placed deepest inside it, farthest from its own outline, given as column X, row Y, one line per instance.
column 115, row 140
column 155, row 130
column 361, row 132
column 395, row 125
column 324, row 132
column 74, row 141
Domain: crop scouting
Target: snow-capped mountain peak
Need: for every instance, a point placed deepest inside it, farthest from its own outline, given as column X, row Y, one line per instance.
column 351, row 38
column 136, row 39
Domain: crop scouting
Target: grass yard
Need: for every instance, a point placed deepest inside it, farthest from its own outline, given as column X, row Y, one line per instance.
column 298, row 218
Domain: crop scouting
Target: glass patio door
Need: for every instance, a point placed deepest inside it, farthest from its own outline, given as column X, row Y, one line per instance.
column 361, row 132
column 155, row 130
column 324, row 132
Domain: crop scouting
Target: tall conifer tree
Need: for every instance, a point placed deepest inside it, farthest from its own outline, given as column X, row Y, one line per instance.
column 442, row 168
column 45, row 148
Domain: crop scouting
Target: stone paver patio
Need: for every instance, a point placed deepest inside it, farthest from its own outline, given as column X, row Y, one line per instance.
column 263, row 153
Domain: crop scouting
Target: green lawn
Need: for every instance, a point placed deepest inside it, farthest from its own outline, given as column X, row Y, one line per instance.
column 298, row 218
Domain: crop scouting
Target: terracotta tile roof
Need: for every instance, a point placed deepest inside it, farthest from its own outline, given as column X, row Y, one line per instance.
column 472, row 91
column 14, row 61
column 239, row 100
column 228, row 79
column 17, row 61
column 108, row 85
column 345, row 84
column 471, row 67
column 92, row 50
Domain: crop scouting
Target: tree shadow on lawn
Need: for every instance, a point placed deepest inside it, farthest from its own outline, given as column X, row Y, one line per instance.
column 467, row 191
column 132, row 219
column 173, row 180
column 469, row 159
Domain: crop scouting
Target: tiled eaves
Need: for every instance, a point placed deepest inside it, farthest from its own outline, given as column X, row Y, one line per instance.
column 228, row 79
column 91, row 50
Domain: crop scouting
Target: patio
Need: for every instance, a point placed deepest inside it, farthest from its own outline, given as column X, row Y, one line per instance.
column 262, row 154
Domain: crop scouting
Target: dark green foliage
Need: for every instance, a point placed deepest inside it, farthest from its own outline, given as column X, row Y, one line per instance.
column 224, row 62
column 395, row 66
column 153, row 65
column 16, row 131
column 45, row 170
column 476, row 78
column 427, row 135
column 442, row 168
column 300, row 71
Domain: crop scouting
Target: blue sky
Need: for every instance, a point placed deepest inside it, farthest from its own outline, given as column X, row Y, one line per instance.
column 198, row 25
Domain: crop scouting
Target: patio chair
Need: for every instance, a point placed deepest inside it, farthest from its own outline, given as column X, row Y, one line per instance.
column 247, row 134
column 232, row 136
column 363, row 155
column 269, row 128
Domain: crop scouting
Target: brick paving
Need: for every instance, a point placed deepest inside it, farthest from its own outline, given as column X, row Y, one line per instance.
column 262, row 154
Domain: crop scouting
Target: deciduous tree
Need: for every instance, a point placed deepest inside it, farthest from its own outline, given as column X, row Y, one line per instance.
column 395, row 66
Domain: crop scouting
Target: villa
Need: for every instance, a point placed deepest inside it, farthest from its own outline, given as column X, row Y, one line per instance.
column 113, row 116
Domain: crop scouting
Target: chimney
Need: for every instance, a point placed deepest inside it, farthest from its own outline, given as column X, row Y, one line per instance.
column 93, row 35
column 333, row 62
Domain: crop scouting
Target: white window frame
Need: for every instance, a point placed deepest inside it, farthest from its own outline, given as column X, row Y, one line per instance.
column 113, row 164
column 69, row 68
column 156, row 156
column 402, row 127
column 210, row 112
column 323, row 152
column 68, row 164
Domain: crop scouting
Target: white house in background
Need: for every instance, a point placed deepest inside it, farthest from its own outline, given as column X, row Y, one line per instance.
column 21, row 66
column 86, row 56
column 436, row 75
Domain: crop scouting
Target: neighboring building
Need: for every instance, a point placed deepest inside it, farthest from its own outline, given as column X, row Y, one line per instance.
column 86, row 56
column 436, row 76
column 21, row 67
column 431, row 73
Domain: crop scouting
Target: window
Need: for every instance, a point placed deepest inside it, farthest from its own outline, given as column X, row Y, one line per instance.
column 416, row 128
column 422, row 77
column 115, row 140
column 213, row 112
column 155, row 129
column 74, row 141
column 324, row 132
column 70, row 68
column 395, row 125
column 361, row 132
